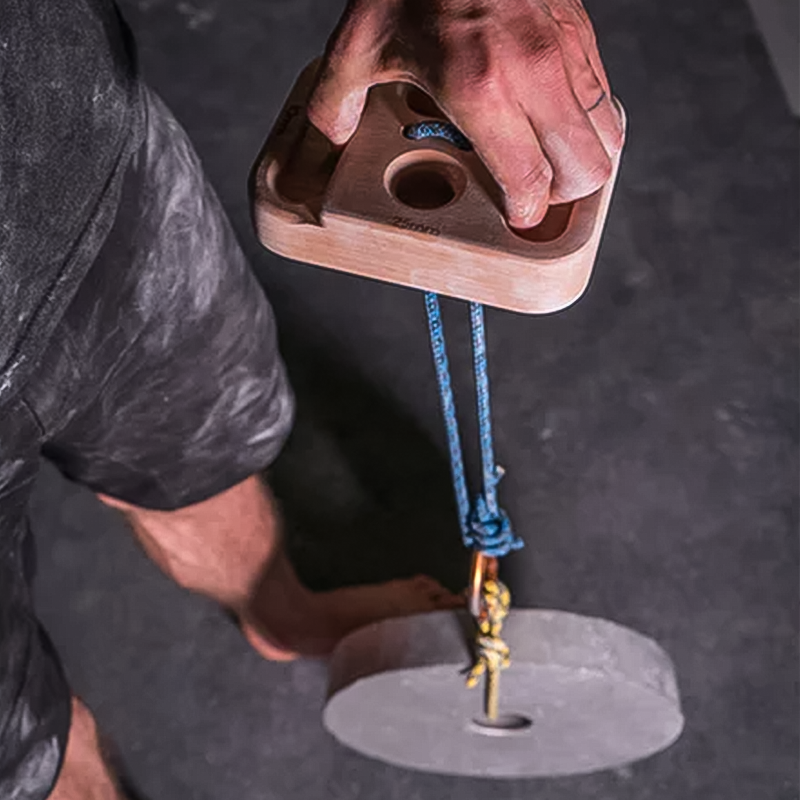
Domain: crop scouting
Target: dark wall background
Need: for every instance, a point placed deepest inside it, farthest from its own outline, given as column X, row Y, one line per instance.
column 649, row 434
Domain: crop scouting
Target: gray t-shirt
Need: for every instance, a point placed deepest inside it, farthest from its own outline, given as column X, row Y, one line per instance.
column 70, row 116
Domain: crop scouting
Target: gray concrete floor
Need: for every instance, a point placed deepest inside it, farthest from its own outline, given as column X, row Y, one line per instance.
column 779, row 23
column 649, row 434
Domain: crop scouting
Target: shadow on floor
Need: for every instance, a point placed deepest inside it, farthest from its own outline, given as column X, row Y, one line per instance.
column 366, row 496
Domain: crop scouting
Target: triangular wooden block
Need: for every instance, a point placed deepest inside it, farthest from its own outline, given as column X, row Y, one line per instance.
column 423, row 214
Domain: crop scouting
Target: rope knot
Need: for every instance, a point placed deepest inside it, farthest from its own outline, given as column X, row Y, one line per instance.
column 489, row 530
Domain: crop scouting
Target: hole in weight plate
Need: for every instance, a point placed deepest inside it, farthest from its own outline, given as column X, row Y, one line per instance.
column 504, row 725
column 423, row 186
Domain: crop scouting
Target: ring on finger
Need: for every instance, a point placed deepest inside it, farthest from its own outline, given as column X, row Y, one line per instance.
column 597, row 102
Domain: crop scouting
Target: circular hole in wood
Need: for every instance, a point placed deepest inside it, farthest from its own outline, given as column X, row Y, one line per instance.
column 503, row 725
column 422, row 103
column 425, row 179
column 423, row 186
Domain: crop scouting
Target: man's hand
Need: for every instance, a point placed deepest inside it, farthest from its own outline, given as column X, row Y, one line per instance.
column 521, row 78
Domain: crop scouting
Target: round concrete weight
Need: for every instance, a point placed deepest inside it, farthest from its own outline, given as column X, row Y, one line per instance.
column 581, row 695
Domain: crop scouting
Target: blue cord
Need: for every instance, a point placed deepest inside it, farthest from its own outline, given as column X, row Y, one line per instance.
column 448, row 410
column 484, row 525
column 437, row 129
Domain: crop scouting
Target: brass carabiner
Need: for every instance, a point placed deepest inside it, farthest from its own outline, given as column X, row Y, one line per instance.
column 483, row 568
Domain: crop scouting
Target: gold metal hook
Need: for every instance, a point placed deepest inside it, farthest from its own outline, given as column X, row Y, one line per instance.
column 483, row 568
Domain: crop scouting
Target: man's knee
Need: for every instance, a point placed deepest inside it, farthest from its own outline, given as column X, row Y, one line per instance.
column 218, row 547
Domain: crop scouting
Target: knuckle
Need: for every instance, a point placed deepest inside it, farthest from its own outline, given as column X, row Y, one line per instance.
column 479, row 67
column 536, row 177
column 542, row 47
column 526, row 195
column 569, row 28
column 577, row 14
column 477, row 90
column 487, row 87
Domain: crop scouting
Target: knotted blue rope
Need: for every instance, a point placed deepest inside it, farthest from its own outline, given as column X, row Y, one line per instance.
column 484, row 525
column 437, row 129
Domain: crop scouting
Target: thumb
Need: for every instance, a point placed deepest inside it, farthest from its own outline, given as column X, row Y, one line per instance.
column 351, row 65
column 337, row 102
